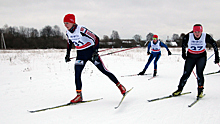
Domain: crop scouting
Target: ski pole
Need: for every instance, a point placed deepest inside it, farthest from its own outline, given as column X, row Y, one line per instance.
column 105, row 50
column 194, row 74
column 119, row 51
column 210, row 56
column 99, row 51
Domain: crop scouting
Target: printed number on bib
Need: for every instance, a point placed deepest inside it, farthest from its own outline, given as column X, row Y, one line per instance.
column 196, row 48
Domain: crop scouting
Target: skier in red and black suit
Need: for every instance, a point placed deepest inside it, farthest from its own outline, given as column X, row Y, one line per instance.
column 87, row 44
column 196, row 56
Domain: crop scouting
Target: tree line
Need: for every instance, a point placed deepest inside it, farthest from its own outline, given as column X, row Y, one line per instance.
column 52, row 37
column 30, row 38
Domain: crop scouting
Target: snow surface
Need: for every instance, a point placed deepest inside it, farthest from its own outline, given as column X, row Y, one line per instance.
column 36, row 79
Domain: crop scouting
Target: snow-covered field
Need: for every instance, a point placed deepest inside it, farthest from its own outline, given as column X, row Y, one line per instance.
column 35, row 79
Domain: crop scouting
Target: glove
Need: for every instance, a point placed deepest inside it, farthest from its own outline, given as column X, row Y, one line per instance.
column 216, row 59
column 95, row 55
column 169, row 53
column 148, row 53
column 184, row 56
column 67, row 58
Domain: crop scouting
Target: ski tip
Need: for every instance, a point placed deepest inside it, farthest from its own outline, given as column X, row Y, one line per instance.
column 32, row 111
column 130, row 89
column 185, row 93
column 29, row 111
column 200, row 97
column 100, row 99
column 127, row 91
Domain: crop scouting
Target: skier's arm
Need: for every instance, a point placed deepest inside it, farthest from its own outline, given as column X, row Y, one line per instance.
column 211, row 41
column 164, row 45
column 85, row 32
column 148, row 48
column 184, row 45
column 69, row 47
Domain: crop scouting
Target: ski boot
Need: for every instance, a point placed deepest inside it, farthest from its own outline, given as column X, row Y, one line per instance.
column 78, row 98
column 142, row 73
column 155, row 72
column 177, row 92
column 200, row 92
column 121, row 88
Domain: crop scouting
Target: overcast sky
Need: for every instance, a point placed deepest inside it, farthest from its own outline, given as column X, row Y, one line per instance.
column 128, row 17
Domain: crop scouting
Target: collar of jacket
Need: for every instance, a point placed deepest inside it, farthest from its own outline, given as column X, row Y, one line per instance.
column 73, row 28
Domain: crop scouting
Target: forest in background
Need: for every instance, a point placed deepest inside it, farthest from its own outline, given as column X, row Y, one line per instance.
column 51, row 37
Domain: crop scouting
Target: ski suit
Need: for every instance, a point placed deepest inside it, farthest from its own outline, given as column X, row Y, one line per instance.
column 155, row 53
column 86, row 44
column 196, row 56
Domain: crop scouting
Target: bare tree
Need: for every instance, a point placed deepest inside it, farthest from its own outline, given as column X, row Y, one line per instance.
column 149, row 37
column 137, row 38
column 115, row 35
column 46, row 32
column 34, row 33
column 56, row 30
column 175, row 37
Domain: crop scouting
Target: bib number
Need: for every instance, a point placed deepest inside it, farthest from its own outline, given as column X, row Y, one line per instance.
column 196, row 48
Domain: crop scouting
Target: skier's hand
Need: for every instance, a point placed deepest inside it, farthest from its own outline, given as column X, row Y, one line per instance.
column 184, row 56
column 148, row 53
column 95, row 55
column 169, row 53
column 67, row 58
column 216, row 60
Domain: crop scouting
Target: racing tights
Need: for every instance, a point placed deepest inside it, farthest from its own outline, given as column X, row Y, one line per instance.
column 192, row 60
column 82, row 57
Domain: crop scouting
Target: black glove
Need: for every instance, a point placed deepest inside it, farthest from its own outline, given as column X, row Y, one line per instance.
column 169, row 53
column 67, row 58
column 184, row 56
column 148, row 53
column 95, row 55
column 216, row 59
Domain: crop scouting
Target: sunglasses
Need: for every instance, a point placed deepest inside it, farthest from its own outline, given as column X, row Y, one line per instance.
column 154, row 38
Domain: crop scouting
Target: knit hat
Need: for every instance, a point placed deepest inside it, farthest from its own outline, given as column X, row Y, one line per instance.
column 197, row 28
column 69, row 18
column 155, row 36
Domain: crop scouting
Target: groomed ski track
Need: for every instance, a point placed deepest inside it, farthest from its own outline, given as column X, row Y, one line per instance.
column 35, row 79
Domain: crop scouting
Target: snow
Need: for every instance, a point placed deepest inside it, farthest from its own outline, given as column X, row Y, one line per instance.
column 36, row 79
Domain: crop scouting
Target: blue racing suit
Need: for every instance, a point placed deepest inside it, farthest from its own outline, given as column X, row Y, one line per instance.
column 155, row 53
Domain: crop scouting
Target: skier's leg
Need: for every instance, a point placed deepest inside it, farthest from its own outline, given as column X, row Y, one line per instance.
column 99, row 64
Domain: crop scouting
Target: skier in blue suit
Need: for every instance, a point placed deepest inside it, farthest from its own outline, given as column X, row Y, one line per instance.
column 155, row 45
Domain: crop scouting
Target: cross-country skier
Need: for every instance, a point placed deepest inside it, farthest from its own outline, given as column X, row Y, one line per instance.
column 196, row 56
column 155, row 45
column 87, row 44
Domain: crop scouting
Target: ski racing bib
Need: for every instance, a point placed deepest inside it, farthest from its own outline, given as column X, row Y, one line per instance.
column 196, row 46
column 81, row 42
column 155, row 47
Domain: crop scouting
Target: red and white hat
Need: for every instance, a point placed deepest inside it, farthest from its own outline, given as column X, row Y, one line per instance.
column 69, row 18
